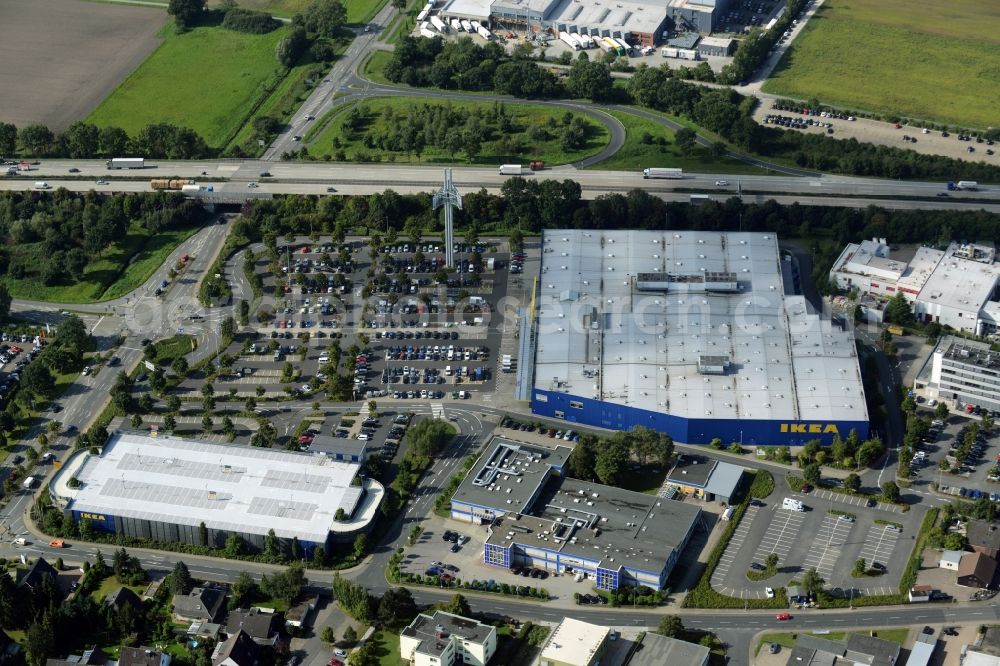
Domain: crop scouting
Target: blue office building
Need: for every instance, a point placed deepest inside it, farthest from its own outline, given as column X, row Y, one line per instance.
column 697, row 334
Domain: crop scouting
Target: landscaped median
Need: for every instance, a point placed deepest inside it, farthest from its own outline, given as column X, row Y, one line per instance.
column 702, row 595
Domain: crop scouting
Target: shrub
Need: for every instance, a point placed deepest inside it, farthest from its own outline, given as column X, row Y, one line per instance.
column 250, row 21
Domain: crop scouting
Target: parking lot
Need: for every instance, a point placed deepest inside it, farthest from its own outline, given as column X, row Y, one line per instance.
column 975, row 475
column 831, row 533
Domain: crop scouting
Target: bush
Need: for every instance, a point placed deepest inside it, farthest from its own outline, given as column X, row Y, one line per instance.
column 763, row 484
column 249, row 21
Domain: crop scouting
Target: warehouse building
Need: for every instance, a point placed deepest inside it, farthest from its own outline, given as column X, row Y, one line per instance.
column 165, row 489
column 539, row 518
column 964, row 373
column 575, row 643
column 640, row 22
column 690, row 333
column 955, row 287
column 716, row 46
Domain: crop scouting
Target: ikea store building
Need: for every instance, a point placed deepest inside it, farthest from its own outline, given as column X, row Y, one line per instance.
column 696, row 334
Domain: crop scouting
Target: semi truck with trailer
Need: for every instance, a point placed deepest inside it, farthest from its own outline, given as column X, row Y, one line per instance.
column 422, row 16
column 586, row 41
column 656, row 172
column 466, row 25
column 126, row 163
column 614, row 46
column 193, row 189
column 570, row 40
column 970, row 185
column 456, row 25
column 511, row 170
column 427, row 32
column 484, row 32
column 439, row 24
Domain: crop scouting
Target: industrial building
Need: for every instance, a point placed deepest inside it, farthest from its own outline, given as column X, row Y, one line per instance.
column 716, row 46
column 539, row 518
column 165, row 489
column 657, row 650
column 691, row 333
column 964, row 373
column 444, row 639
column 954, row 287
column 641, row 22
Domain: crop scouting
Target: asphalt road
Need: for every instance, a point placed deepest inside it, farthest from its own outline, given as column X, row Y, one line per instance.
column 316, row 178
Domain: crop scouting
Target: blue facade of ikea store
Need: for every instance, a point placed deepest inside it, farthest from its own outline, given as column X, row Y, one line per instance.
column 587, row 411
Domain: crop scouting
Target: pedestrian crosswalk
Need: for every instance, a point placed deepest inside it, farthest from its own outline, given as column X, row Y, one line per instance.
column 437, row 410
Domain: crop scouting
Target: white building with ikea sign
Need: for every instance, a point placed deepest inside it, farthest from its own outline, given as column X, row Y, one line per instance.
column 164, row 489
column 697, row 334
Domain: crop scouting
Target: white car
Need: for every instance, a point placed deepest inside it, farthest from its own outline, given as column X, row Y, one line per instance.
column 102, row 182
column 769, row 592
column 251, row 185
column 721, row 183
column 339, row 653
column 932, row 403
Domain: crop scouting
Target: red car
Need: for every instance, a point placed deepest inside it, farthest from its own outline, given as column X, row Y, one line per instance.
column 335, row 662
column 783, row 616
column 807, row 488
column 898, row 126
column 305, row 439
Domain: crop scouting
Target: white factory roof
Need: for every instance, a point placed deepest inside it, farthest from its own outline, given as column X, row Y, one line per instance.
column 870, row 258
column 239, row 489
column 574, row 642
column 475, row 9
column 963, row 284
column 919, row 269
column 601, row 337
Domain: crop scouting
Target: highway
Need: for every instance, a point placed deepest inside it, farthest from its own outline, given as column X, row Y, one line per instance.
column 316, row 178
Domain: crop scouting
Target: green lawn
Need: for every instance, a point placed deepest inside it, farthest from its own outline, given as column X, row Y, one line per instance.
column 387, row 648
column 358, row 11
column 375, row 66
column 650, row 144
column 208, row 79
column 117, row 271
column 513, row 145
column 109, row 585
column 924, row 59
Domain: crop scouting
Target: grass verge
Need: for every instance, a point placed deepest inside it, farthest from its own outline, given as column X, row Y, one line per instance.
column 650, row 144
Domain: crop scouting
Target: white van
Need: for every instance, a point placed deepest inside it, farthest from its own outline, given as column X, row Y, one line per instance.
column 42, row 185
column 447, row 370
column 324, row 359
column 792, row 504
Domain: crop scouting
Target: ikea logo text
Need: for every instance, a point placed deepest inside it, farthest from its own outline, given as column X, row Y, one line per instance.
column 93, row 516
column 811, row 428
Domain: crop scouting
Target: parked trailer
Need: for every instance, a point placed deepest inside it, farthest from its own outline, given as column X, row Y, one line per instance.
column 586, row 41
column 613, row 46
column 688, row 54
column 663, row 173
column 668, row 52
column 422, row 15
column 169, row 183
column 511, row 169
column 456, row 25
column 466, row 26
column 601, row 44
column 579, row 39
column 428, row 33
column 439, row 24
column 126, row 163
column 568, row 38
column 484, row 33
column 625, row 45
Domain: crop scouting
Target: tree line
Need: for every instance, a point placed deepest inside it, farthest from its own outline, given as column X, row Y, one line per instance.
column 55, row 237
column 464, row 65
column 83, row 141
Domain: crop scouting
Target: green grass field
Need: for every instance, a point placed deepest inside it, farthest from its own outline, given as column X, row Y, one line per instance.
column 207, row 79
column 499, row 147
column 936, row 61
column 643, row 148
column 358, row 11
column 375, row 66
column 115, row 272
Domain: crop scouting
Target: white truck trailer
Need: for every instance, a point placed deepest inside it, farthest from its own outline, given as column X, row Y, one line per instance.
column 466, row 25
column 126, row 163
column 655, row 172
column 625, row 45
column 427, row 32
column 456, row 25
column 511, row 169
column 568, row 38
column 439, row 24
column 484, row 32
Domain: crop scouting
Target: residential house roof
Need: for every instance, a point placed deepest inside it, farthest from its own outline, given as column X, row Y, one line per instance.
column 255, row 622
column 141, row 656
column 202, row 603
column 121, row 597
column 979, row 565
column 983, row 534
column 38, row 569
column 239, row 650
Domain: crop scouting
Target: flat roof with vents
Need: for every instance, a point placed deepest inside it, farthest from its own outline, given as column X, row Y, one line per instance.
column 656, row 310
column 239, row 489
